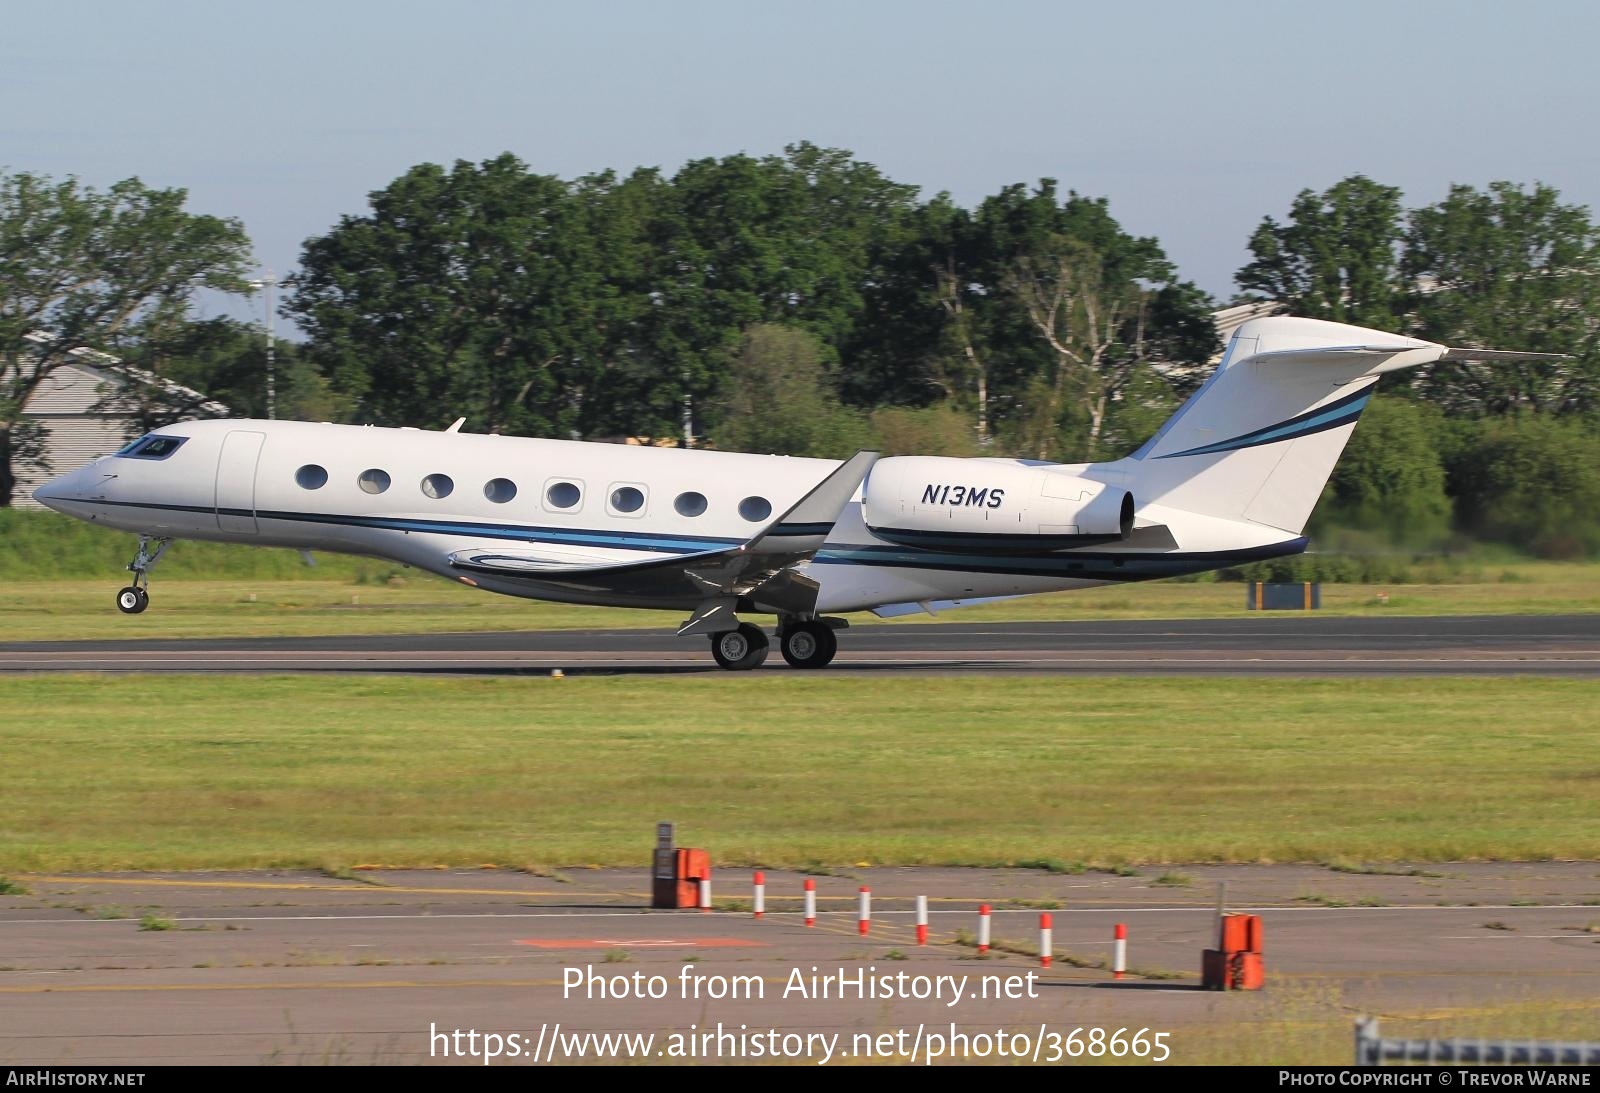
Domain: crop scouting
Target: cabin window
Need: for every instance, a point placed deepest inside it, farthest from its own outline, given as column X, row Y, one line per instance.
column 563, row 495
column 311, row 477
column 373, row 481
column 755, row 509
column 152, row 447
column 690, row 503
column 438, row 486
column 627, row 499
column 500, row 490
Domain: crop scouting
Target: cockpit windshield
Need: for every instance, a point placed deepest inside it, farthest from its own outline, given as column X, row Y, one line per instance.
column 152, row 446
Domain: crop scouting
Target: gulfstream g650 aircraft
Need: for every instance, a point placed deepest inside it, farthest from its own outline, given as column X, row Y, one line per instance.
column 1231, row 478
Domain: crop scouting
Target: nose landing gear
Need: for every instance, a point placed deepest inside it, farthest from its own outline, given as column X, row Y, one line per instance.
column 136, row 597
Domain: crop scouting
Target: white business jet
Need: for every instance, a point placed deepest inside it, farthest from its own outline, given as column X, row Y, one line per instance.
column 1231, row 478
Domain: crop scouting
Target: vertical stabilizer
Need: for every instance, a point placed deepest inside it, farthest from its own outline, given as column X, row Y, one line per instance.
column 1260, row 437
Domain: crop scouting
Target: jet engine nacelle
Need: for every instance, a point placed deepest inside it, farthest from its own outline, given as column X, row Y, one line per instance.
column 991, row 506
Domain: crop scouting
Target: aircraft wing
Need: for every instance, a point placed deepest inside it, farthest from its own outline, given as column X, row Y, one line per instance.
column 758, row 571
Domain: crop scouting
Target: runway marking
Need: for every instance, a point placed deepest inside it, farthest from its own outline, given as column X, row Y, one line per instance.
column 1515, row 937
column 313, row 886
column 846, row 924
column 642, row 943
column 381, row 984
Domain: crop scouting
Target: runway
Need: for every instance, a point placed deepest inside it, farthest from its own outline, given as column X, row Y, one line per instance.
column 1564, row 645
column 292, row 967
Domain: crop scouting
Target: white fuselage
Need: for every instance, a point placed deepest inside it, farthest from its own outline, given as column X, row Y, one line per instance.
column 566, row 503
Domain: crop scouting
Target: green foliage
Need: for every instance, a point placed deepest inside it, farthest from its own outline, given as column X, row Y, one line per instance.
column 778, row 400
column 1337, row 258
column 225, row 360
column 1532, row 480
column 940, row 429
column 45, row 545
column 87, row 269
column 1390, row 478
column 1509, row 268
column 1381, row 568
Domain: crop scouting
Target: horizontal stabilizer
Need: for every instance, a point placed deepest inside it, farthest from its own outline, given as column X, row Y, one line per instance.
column 1493, row 355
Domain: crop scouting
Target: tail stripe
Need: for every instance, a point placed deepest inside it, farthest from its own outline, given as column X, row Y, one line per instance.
column 1341, row 411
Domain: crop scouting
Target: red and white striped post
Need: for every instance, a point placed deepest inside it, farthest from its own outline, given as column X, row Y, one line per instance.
column 705, row 894
column 983, row 928
column 758, row 902
column 922, row 920
column 1046, row 945
column 1119, row 952
column 811, row 902
column 864, row 916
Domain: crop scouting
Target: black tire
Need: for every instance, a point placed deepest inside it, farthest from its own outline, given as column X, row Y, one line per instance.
column 131, row 600
column 808, row 645
column 740, row 650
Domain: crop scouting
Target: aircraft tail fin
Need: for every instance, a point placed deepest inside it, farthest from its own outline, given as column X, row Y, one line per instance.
column 1259, row 439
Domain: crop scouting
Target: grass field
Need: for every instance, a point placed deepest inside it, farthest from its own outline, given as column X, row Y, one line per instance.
column 38, row 610
column 198, row 772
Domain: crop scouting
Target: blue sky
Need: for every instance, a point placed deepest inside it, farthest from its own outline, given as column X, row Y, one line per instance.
column 1195, row 119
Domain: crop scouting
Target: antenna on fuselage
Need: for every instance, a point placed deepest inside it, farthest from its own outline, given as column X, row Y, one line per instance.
column 455, row 426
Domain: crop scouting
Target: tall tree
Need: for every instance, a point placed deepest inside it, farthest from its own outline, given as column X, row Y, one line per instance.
column 82, row 268
column 778, row 399
column 1337, row 258
column 1079, row 311
column 1079, row 307
column 475, row 290
column 1508, row 268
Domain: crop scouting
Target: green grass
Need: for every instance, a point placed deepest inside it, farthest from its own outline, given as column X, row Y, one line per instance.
column 205, row 772
column 1310, row 1024
column 413, row 602
column 58, row 576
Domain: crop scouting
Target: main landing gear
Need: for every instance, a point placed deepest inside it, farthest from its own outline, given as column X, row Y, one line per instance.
column 136, row 597
column 741, row 649
column 808, row 643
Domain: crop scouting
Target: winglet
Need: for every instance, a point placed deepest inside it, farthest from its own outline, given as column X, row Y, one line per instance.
column 807, row 524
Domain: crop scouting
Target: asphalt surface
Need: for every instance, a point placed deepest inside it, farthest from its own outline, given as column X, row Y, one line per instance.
column 306, row 968
column 1566, row 645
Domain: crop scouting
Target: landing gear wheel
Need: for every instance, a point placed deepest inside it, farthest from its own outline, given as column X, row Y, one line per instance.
column 740, row 650
column 136, row 597
column 808, row 644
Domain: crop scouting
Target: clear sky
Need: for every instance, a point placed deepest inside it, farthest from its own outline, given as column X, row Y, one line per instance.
column 1195, row 119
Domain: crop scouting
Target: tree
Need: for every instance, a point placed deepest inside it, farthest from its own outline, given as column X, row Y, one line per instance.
column 479, row 291
column 1337, row 258
column 796, row 240
column 1103, row 305
column 1390, row 478
column 1509, row 268
column 1532, row 480
column 777, row 399
column 224, row 360
column 1079, row 307
column 81, row 268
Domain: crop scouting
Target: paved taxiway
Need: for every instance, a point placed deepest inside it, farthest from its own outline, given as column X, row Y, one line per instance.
column 296, row 967
column 1264, row 645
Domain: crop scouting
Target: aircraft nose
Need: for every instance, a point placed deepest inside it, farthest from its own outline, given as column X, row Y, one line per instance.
column 62, row 491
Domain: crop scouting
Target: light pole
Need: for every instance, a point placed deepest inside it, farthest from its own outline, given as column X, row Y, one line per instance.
column 267, row 281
